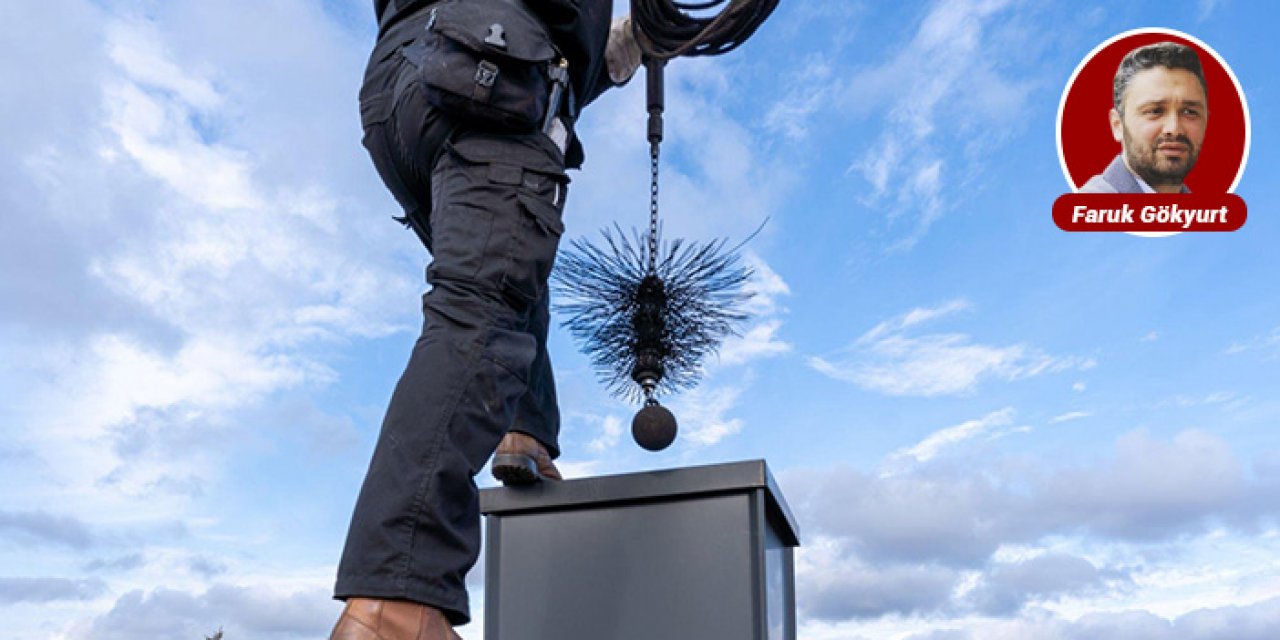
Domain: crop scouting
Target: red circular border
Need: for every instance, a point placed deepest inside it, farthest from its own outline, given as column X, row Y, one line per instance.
column 1085, row 145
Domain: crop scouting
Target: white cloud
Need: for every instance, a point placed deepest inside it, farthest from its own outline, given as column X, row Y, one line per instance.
column 940, row 89
column 151, row 115
column 1249, row 621
column 928, row 448
column 126, row 391
column 702, row 414
column 915, row 317
column 1070, row 415
column 194, row 233
column 941, row 546
column 1150, row 489
column 240, row 611
column 765, row 287
column 889, row 360
column 610, row 433
column 811, row 89
column 834, row 584
column 1006, row 587
column 136, row 48
column 760, row 341
column 1228, row 398
column 40, row 527
column 231, row 274
column 43, row 590
column 1268, row 344
column 717, row 180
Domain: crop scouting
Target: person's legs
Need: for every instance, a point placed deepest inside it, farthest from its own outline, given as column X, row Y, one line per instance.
column 527, row 452
column 538, row 413
column 495, row 226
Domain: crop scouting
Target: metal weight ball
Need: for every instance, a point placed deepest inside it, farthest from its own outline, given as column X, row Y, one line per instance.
column 654, row 427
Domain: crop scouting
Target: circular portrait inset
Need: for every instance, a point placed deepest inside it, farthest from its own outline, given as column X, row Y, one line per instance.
column 1153, row 111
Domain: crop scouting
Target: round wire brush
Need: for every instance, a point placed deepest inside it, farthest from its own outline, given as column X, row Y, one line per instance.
column 645, row 311
column 648, row 313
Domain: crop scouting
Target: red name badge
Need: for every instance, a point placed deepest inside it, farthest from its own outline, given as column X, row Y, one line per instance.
column 1151, row 212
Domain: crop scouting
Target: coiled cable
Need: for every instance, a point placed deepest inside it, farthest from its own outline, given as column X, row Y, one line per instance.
column 668, row 28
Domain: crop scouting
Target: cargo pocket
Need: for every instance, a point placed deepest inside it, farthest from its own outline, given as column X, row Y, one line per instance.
column 533, row 250
column 462, row 222
column 520, row 185
column 460, row 237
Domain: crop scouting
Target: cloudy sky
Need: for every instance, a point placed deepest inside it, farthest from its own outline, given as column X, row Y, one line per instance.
column 987, row 428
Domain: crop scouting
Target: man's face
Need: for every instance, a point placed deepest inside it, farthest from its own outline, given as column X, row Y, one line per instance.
column 1165, row 115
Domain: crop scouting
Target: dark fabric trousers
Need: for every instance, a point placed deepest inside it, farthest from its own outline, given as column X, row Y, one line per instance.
column 489, row 208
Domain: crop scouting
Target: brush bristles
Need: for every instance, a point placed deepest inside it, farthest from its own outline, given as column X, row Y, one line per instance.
column 597, row 287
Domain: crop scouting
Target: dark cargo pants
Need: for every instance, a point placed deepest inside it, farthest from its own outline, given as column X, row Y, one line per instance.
column 489, row 206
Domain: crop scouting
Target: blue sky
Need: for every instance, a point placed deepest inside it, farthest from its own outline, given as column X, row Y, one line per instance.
column 987, row 428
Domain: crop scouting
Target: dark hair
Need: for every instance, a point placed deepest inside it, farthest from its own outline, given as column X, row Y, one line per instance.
column 1170, row 55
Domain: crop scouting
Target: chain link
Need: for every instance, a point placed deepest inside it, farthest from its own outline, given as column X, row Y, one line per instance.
column 653, row 209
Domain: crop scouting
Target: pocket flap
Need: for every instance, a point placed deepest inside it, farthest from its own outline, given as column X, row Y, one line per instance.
column 484, row 148
column 544, row 212
column 494, row 27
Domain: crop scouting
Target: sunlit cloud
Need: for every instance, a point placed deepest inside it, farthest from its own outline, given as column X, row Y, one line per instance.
column 950, row 548
column 944, row 74
column 929, row 447
column 610, row 433
column 1069, row 416
column 703, row 415
column 890, row 359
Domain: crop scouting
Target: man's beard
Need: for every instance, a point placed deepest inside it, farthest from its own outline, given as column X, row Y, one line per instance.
column 1156, row 170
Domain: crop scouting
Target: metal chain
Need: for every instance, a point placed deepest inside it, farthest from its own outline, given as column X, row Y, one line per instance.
column 653, row 209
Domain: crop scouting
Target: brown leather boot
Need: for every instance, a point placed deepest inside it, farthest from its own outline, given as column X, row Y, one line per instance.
column 521, row 459
column 376, row 619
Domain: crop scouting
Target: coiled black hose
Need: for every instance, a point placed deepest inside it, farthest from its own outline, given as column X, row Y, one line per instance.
column 668, row 29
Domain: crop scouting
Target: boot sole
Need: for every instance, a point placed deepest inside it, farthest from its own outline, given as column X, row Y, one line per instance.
column 515, row 468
